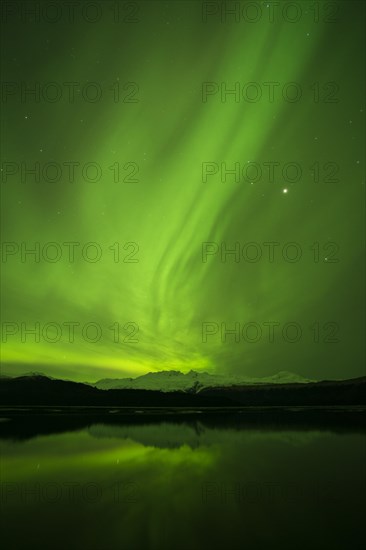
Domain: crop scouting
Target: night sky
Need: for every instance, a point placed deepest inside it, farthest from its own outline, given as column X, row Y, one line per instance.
column 132, row 132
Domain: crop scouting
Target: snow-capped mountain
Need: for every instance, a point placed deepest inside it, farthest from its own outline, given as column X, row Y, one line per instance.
column 192, row 381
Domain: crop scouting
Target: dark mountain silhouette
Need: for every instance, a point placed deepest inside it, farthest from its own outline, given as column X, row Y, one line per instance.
column 40, row 390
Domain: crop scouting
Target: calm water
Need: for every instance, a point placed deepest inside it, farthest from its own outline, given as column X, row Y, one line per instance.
column 180, row 483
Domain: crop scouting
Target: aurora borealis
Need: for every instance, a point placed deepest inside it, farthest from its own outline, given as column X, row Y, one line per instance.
column 135, row 139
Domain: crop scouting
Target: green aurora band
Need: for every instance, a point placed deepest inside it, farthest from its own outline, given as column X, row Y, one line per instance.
column 169, row 132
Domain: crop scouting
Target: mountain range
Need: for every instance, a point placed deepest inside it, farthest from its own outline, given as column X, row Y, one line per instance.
column 41, row 391
column 192, row 381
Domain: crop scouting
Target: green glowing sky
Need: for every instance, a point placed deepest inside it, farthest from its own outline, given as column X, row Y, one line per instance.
column 169, row 132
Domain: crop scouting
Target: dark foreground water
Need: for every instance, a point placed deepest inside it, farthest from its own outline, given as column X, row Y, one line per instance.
column 191, row 480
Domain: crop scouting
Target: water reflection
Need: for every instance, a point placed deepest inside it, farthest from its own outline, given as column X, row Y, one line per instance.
column 194, row 481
